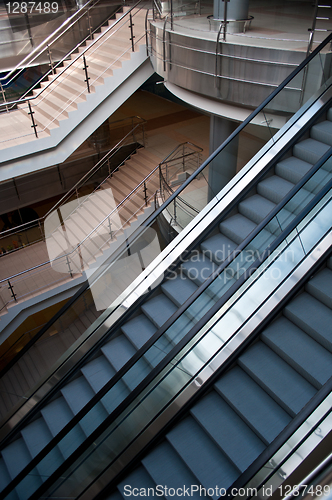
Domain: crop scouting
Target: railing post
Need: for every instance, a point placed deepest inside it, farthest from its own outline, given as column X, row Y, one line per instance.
column 172, row 15
column 89, row 23
column 175, row 210
column 225, row 19
column 3, row 93
column 34, row 125
column 131, row 25
column 41, row 231
column 49, row 52
column 10, row 287
column 145, row 194
column 110, row 227
column 69, row 268
column 183, row 163
column 85, row 69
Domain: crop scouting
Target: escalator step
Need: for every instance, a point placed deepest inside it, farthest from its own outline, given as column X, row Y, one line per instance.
column 139, row 478
column 218, row 248
column 322, row 132
column 256, row 208
column 179, row 289
column 36, row 436
column 292, row 169
column 239, row 443
column 159, row 309
column 277, row 378
column 263, row 415
column 56, row 415
column 310, row 150
column 198, row 268
column 274, row 188
column 320, row 287
column 203, row 457
column 237, row 228
column 166, row 468
column 312, row 317
column 300, row 351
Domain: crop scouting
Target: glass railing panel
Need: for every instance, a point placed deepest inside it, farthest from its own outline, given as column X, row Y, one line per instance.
column 194, row 356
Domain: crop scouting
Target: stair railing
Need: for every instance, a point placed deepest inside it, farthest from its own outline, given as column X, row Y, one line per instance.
column 15, row 287
column 30, row 104
column 33, row 231
column 47, row 46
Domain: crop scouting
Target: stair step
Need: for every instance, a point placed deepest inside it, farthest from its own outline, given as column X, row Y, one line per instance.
column 159, row 309
column 310, row 150
column 256, row 208
column 300, row 351
column 166, row 468
column 320, row 287
column 218, row 247
column 260, row 412
column 36, row 436
column 274, row 188
column 277, row 378
column 56, row 415
column 201, row 454
column 238, row 442
column 292, row 169
column 322, row 132
column 312, row 317
column 118, row 351
column 139, row 478
column 198, row 268
column 179, row 289
column 98, row 372
column 77, row 394
column 5, row 480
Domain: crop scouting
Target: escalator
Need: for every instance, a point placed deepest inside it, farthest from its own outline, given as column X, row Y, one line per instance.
column 98, row 401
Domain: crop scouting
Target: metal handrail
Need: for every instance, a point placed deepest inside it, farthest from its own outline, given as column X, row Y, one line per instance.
column 79, row 184
column 146, row 179
column 79, row 56
column 47, row 42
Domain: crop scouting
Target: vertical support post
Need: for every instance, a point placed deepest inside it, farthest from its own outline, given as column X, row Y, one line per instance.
column 172, row 25
column 225, row 20
column 175, row 210
column 69, row 268
column 34, row 125
column 110, row 227
column 3, row 93
column 145, row 194
column 41, row 230
column 89, row 23
column 10, row 287
column 87, row 78
column 49, row 52
column 183, row 163
column 131, row 25
column 109, row 166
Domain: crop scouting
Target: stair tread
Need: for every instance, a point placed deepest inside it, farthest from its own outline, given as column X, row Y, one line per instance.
column 198, row 268
column 179, row 289
column 201, row 454
column 159, row 309
column 320, row 287
column 289, row 389
column 310, row 150
column 240, row 444
column 311, row 316
column 274, row 188
column 218, row 247
column 253, row 404
column 299, row 350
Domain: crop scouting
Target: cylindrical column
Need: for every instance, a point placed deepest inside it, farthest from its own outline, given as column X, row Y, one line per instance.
column 223, row 168
column 236, row 10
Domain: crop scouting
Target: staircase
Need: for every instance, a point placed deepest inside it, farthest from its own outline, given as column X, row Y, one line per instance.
column 228, row 448
column 251, row 404
column 96, row 221
column 91, row 77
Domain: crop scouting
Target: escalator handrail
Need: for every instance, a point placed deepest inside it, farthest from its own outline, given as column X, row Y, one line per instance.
column 156, row 370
